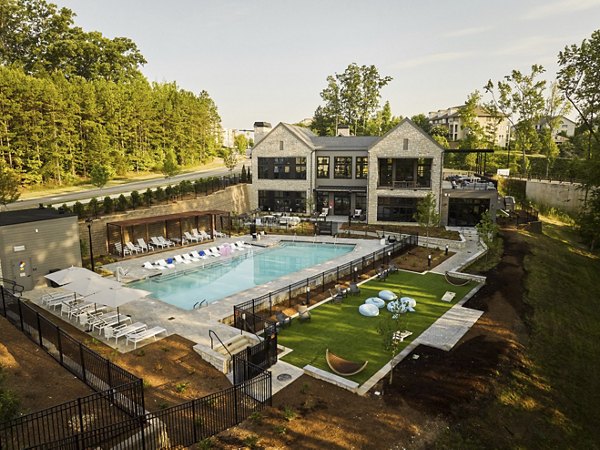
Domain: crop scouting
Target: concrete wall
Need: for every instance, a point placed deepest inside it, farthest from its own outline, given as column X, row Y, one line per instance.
column 40, row 246
column 563, row 196
column 233, row 199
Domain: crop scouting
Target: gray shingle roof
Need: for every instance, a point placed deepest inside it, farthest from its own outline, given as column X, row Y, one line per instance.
column 344, row 143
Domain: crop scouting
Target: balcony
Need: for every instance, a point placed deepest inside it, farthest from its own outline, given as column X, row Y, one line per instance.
column 405, row 184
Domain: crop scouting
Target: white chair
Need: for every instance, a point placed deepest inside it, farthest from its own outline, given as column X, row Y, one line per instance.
column 187, row 257
column 123, row 251
column 218, row 234
column 145, row 247
column 197, row 255
column 156, row 242
column 324, row 212
column 166, row 242
column 179, row 260
column 190, row 238
column 215, row 251
column 142, row 335
column 133, row 248
column 148, row 265
column 243, row 244
column 357, row 214
column 165, row 264
column 125, row 330
column 205, row 235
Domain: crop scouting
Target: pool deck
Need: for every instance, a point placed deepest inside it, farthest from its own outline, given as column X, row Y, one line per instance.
column 196, row 324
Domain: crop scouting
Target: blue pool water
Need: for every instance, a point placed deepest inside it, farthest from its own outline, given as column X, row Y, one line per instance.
column 219, row 279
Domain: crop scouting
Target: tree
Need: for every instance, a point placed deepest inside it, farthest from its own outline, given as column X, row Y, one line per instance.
column 240, row 142
column 487, row 229
column 100, row 175
column 427, row 214
column 579, row 80
column 422, row 122
column 390, row 326
column 170, row 167
column 136, row 199
column 520, row 99
column 9, row 185
column 588, row 220
column 353, row 97
column 230, row 158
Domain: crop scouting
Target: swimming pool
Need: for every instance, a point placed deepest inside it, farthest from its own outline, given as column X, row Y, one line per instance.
column 223, row 278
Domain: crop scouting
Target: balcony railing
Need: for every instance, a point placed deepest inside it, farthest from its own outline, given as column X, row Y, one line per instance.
column 405, row 184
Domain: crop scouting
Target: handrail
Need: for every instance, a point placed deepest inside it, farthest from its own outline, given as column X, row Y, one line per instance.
column 210, row 333
column 16, row 288
column 248, row 327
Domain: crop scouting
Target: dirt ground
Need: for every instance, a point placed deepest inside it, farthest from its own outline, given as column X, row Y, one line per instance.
column 426, row 396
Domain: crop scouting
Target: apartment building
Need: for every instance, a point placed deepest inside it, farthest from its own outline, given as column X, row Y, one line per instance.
column 450, row 119
column 385, row 177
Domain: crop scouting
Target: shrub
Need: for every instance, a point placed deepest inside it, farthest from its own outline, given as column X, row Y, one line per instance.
column 148, row 197
column 108, row 204
column 79, row 209
column 136, row 199
column 122, row 203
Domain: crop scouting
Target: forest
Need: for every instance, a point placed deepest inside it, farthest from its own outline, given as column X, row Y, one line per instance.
column 72, row 100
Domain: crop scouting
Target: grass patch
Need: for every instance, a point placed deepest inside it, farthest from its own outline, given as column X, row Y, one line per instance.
column 345, row 332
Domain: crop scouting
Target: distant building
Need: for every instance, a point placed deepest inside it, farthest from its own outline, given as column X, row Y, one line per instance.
column 565, row 129
column 295, row 171
column 450, row 119
column 229, row 135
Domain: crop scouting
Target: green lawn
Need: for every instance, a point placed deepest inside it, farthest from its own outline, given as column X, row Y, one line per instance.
column 348, row 334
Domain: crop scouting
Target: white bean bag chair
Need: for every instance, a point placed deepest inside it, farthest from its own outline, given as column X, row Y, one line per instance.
column 387, row 295
column 396, row 307
column 409, row 303
column 375, row 301
column 368, row 310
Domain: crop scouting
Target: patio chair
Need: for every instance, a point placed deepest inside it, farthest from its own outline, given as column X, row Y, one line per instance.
column 342, row 366
column 392, row 268
column 156, row 242
column 190, row 238
column 165, row 264
column 382, row 274
column 187, row 257
column 197, row 255
column 324, row 212
column 357, row 214
column 205, row 235
column 342, row 290
column 215, row 251
column 143, row 335
column 179, row 260
column 336, row 296
column 123, row 330
column 303, row 313
column 122, row 251
column 148, row 265
column 243, row 244
column 218, row 234
column 354, row 289
column 283, row 320
column 133, row 248
column 145, row 247
column 167, row 242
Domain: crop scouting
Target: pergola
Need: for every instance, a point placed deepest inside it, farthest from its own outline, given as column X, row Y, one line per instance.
column 171, row 226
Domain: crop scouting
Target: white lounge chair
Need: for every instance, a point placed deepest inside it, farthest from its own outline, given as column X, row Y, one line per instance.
column 166, row 242
column 243, row 244
column 190, row 238
column 148, row 265
column 165, row 264
column 145, row 247
column 179, row 260
column 156, row 242
column 118, row 320
column 142, row 335
column 218, row 234
column 187, row 257
column 122, row 251
column 197, row 255
column 215, row 251
column 133, row 248
column 205, row 235
column 127, row 329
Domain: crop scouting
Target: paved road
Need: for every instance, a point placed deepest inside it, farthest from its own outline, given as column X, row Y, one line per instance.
column 115, row 191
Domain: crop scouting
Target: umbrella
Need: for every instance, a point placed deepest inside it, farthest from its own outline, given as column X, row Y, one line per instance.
column 116, row 296
column 90, row 285
column 64, row 276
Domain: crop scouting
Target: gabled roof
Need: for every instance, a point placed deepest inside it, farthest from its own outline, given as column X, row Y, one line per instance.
column 344, row 142
column 406, row 120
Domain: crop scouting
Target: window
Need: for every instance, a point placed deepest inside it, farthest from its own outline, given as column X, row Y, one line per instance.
column 385, row 171
column 362, row 167
column 282, row 201
column 342, row 167
column 323, row 167
column 282, row 168
column 396, row 209
column 424, row 172
column 405, row 144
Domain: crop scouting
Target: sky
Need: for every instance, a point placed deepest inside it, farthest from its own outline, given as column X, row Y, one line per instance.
column 268, row 60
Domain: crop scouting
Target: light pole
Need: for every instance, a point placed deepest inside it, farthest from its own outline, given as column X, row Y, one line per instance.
column 89, row 225
column 307, row 295
column 355, row 273
column 389, row 258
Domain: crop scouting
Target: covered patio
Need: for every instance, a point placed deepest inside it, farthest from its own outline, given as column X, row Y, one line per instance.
column 171, row 226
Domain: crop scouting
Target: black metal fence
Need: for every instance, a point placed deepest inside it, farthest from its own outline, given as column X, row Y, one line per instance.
column 254, row 313
column 256, row 359
column 115, row 416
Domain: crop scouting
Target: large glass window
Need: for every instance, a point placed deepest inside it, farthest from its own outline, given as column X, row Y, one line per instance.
column 385, row 171
column 342, row 167
column 361, row 202
column 424, row 172
column 322, row 201
column 341, row 203
column 323, row 167
column 396, row 209
column 282, row 168
column 282, row 201
column 407, row 173
column 362, row 167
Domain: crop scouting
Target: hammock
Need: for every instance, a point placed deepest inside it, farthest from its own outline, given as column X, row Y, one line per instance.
column 342, row 366
column 453, row 283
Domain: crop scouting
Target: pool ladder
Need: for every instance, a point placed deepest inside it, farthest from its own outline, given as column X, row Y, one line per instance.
column 199, row 304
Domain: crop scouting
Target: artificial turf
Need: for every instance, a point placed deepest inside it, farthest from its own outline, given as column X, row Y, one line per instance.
column 345, row 332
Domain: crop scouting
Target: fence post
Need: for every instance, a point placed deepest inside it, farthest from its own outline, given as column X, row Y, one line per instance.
column 83, row 375
column 3, row 301
column 323, row 282
column 39, row 327
column 290, row 295
column 59, row 343
column 20, row 314
column 194, row 423
column 80, row 411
